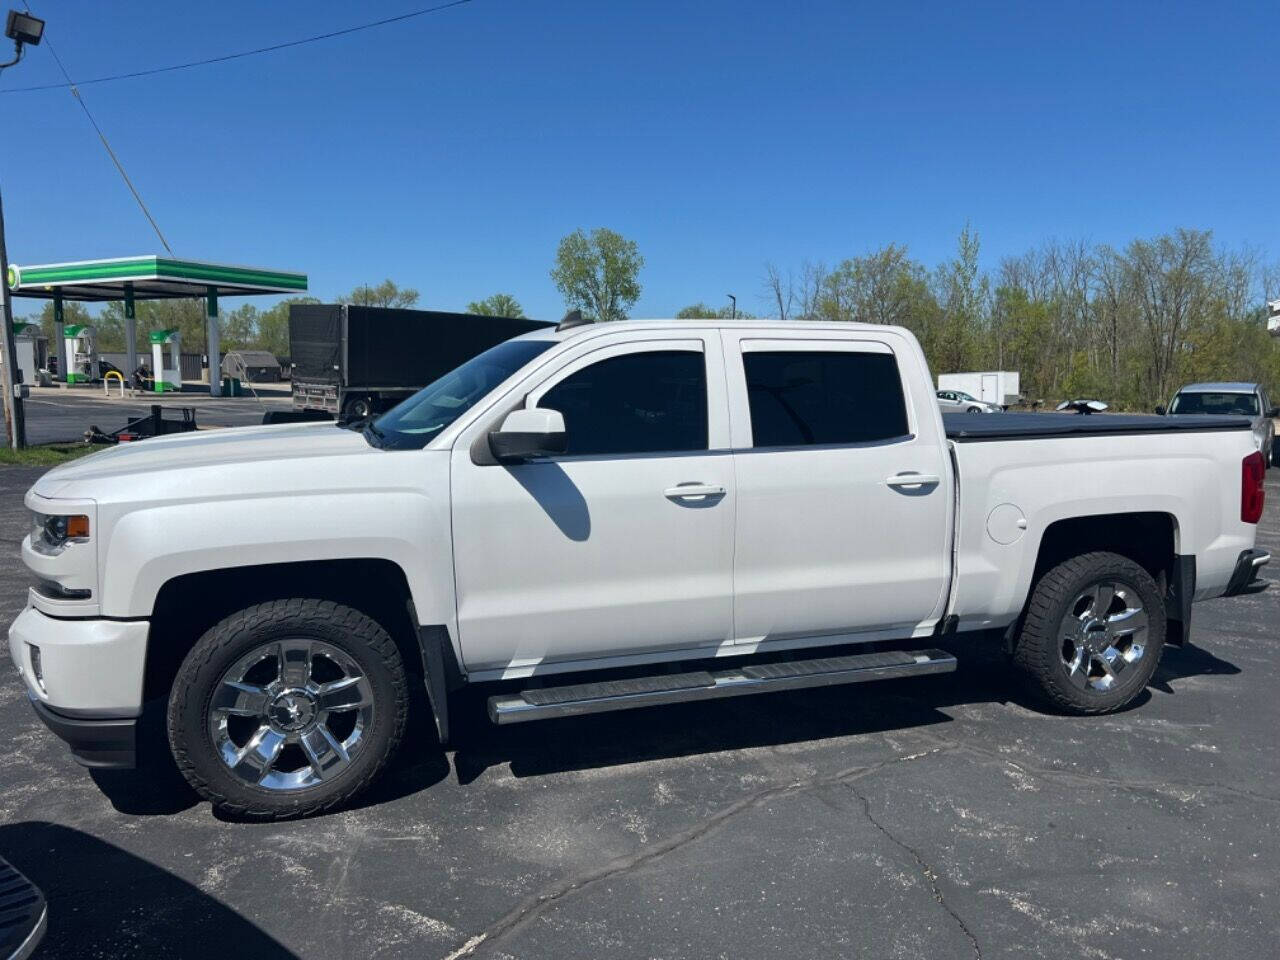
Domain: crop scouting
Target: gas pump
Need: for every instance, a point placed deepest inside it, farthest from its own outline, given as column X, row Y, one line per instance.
column 170, row 377
column 82, row 353
column 27, row 340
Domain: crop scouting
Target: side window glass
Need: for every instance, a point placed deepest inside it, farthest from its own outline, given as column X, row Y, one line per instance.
column 652, row 402
column 805, row 398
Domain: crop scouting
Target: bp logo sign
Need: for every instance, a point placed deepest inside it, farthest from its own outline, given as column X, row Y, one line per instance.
column 14, row 277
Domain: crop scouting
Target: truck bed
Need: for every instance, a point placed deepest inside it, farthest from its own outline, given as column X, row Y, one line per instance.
column 977, row 427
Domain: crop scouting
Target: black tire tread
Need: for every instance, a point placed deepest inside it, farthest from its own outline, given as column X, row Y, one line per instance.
column 1036, row 654
column 359, row 628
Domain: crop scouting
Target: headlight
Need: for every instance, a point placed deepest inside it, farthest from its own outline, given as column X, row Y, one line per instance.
column 52, row 532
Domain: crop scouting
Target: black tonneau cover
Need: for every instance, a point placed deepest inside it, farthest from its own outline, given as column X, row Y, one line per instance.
column 975, row 427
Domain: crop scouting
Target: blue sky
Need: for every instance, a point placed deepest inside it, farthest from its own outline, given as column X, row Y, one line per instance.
column 451, row 152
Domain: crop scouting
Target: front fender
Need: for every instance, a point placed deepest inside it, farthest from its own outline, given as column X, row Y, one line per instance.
column 150, row 545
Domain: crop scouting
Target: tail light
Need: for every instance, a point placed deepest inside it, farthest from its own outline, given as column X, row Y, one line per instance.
column 1253, row 469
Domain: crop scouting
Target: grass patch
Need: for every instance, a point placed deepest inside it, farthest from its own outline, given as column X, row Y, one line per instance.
column 46, row 456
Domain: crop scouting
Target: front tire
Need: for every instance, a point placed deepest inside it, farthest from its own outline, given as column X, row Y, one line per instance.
column 1093, row 634
column 287, row 708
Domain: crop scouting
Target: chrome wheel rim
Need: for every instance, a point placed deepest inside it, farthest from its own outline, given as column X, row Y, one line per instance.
column 291, row 714
column 1103, row 635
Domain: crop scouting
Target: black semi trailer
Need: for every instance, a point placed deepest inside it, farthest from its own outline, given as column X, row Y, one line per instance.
column 352, row 361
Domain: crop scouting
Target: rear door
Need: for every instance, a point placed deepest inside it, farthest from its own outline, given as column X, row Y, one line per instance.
column 990, row 389
column 844, row 492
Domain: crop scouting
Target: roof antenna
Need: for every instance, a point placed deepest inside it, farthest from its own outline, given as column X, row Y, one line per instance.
column 572, row 319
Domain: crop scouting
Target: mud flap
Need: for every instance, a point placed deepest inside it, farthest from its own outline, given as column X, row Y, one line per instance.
column 440, row 668
column 1178, row 594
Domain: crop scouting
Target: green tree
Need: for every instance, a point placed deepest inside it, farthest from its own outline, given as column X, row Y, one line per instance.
column 700, row 311
column 498, row 305
column 186, row 316
column 72, row 313
column 963, row 292
column 273, row 326
column 238, row 328
column 598, row 273
column 384, row 294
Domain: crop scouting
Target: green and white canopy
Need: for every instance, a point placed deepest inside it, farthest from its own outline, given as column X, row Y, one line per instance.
column 148, row 278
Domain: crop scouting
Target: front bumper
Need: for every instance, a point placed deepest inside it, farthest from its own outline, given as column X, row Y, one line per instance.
column 84, row 667
column 103, row 743
column 1245, row 579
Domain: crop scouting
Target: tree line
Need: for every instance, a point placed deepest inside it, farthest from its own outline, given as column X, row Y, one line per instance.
column 1124, row 324
column 1127, row 325
column 1076, row 319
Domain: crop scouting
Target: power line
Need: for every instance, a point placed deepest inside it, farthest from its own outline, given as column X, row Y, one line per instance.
column 244, row 53
column 75, row 92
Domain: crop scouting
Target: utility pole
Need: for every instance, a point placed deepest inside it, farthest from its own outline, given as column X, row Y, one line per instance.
column 733, row 310
column 20, row 28
column 15, row 420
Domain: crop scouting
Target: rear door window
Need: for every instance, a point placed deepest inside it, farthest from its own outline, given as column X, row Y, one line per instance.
column 808, row 398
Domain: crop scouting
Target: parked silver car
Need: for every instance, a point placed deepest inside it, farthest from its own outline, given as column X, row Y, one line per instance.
column 1232, row 399
column 957, row 401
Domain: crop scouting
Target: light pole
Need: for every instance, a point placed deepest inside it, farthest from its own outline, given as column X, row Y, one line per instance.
column 733, row 307
column 21, row 28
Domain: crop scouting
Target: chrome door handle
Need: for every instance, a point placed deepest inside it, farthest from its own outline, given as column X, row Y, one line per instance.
column 685, row 491
column 913, row 480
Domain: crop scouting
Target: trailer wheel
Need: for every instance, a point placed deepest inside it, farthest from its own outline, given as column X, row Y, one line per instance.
column 287, row 708
column 1093, row 634
column 358, row 408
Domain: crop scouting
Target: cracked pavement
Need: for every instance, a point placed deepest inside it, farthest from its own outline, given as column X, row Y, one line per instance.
column 934, row 818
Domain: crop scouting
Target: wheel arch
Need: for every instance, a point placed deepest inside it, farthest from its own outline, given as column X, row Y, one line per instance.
column 1151, row 539
column 189, row 604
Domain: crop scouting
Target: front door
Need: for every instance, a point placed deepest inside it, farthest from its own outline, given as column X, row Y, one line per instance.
column 843, row 488
column 624, row 544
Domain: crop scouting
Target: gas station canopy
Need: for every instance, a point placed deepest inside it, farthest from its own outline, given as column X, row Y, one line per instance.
column 148, row 278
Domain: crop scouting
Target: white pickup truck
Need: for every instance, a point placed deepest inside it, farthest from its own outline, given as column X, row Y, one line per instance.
column 597, row 517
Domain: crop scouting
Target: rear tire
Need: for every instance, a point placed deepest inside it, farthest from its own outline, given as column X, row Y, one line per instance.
column 287, row 708
column 1093, row 634
column 358, row 408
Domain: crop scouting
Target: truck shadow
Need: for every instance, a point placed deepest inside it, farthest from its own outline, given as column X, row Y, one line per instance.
column 669, row 732
column 636, row 736
column 106, row 902
column 157, row 788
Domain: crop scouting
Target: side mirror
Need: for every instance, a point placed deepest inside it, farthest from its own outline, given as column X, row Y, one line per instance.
column 1273, row 412
column 1161, row 410
column 526, row 434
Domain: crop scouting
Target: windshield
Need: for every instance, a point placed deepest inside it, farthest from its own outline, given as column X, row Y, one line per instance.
column 413, row 423
column 1240, row 404
column 961, row 395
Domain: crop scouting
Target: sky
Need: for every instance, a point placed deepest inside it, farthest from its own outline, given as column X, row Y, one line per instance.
column 451, row 152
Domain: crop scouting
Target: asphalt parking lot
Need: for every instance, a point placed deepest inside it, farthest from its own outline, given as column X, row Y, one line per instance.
column 62, row 414
column 938, row 818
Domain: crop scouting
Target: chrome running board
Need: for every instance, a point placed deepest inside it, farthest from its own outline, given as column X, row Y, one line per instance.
column 572, row 700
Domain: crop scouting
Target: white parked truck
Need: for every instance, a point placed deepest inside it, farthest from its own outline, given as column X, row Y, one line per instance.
column 1000, row 387
column 601, row 517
